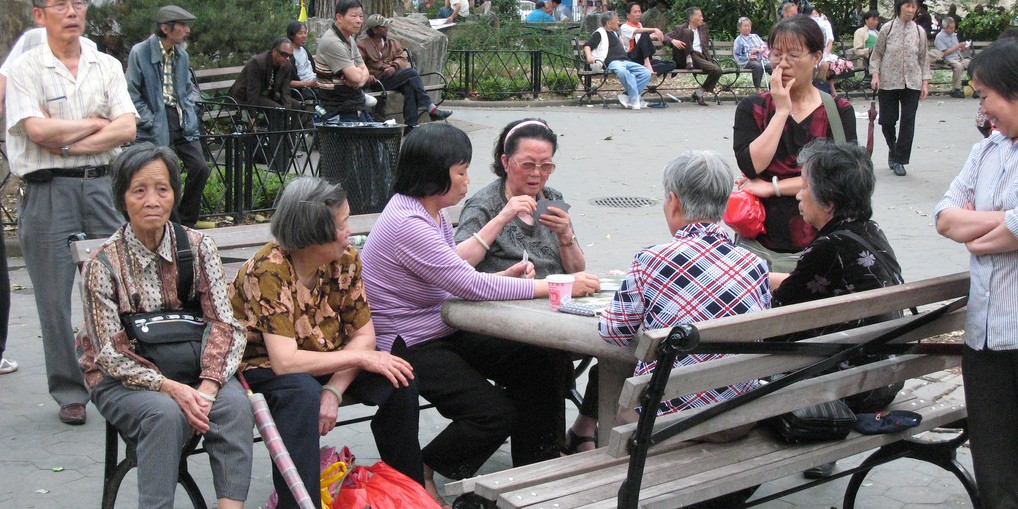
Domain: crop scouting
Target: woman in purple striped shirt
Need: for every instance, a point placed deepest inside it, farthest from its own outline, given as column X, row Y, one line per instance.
column 410, row 268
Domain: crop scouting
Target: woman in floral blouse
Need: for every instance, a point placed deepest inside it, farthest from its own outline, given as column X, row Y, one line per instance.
column 311, row 339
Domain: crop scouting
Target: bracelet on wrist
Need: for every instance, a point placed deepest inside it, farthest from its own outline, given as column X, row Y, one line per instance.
column 207, row 397
column 482, row 242
column 777, row 190
column 339, row 395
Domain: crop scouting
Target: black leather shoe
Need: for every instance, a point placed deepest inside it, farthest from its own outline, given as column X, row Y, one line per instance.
column 440, row 114
column 819, row 472
column 73, row 414
column 957, row 94
column 699, row 99
column 899, row 169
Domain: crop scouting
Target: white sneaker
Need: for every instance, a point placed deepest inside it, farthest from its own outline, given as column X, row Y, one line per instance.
column 624, row 100
column 7, row 366
column 636, row 104
column 643, row 104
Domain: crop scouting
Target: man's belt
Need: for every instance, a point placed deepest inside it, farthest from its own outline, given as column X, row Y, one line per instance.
column 81, row 172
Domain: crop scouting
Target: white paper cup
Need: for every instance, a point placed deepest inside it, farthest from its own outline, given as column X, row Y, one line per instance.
column 560, row 289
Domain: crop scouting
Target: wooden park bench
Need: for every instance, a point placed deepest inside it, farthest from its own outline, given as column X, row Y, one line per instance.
column 227, row 238
column 721, row 54
column 678, row 472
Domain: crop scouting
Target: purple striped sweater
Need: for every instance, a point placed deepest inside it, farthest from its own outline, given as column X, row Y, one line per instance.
column 410, row 267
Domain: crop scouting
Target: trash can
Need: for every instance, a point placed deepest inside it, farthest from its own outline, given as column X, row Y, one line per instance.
column 362, row 156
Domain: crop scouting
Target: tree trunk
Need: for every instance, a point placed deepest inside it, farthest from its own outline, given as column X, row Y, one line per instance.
column 327, row 9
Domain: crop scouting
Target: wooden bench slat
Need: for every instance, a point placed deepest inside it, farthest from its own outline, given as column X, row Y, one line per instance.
column 705, row 471
column 738, row 368
column 220, row 71
column 805, row 393
column 818, row 313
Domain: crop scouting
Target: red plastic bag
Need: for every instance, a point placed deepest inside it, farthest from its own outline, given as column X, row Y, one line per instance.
column 382, row 487
column 745, row 214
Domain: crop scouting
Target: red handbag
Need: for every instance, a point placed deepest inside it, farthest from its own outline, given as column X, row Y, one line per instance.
column 745, row 214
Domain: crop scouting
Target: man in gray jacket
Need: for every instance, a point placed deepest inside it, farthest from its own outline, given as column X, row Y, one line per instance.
column 159, row 82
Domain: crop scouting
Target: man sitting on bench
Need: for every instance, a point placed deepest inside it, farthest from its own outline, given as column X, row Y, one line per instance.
column 691, row 43
column 700, row 274
column 638, row 41
column 606, row 46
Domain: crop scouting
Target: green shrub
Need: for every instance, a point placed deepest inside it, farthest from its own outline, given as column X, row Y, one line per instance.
column 987, row 24
column 561, row 83
column 226, row 33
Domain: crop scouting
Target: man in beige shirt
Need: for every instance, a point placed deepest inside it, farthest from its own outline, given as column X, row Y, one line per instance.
column 68, row 113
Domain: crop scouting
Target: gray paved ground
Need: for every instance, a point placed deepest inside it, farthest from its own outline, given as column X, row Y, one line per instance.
column 614, row 152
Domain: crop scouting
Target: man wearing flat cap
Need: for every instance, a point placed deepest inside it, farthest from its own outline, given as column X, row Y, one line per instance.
column 160, row 86
column 387, row 62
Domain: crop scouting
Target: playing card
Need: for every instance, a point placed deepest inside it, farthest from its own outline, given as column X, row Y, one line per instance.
column 542, row 207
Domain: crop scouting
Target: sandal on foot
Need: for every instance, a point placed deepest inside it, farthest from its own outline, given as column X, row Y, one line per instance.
column 573, row 442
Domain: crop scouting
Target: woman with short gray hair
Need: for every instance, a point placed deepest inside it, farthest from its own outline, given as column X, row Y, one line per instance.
column 750, row 52
column 702, row 181
column 311, row 339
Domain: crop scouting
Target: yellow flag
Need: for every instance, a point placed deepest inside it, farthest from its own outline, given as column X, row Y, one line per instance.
column 303, row 16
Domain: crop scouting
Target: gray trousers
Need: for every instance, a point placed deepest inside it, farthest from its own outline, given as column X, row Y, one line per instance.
column 48, row 214
column 155, row 422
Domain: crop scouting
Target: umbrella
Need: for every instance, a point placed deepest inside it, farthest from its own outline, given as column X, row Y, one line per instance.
column 869, row 135
column 273, row 442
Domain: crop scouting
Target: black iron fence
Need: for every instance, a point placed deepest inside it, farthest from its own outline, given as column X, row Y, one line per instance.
column 505, row 74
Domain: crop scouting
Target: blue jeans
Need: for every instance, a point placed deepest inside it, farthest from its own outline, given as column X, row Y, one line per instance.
column 633, row 76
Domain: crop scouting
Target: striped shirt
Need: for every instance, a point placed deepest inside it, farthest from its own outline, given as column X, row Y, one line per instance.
column 697, row 276
column 988, row 182
column 40, row 85
column 410, row 267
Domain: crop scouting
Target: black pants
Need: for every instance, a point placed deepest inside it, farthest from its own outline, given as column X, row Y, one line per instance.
column 5, row 297
column 757, row 69
column 895, row 103
column 294, row 401
column 991, row 393
column 409, row 83
column 643, row 50
column 453, row 372
column 194, row 164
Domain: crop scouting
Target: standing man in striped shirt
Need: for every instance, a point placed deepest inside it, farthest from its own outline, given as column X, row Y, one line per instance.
column 68, row 113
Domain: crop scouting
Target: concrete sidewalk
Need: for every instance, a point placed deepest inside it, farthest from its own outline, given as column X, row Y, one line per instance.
column 602, row 153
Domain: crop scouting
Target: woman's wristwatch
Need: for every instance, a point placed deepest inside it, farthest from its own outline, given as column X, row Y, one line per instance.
column 572, row 242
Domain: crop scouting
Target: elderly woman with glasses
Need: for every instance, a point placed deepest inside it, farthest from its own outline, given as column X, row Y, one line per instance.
column 772, row 127
column 411, row 267
column 497, row 227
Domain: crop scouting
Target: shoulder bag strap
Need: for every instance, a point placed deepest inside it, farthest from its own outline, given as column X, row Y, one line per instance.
column 833, row 117
column 185, row 264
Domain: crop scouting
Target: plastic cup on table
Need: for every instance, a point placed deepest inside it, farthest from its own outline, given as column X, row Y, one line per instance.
column 560, row 289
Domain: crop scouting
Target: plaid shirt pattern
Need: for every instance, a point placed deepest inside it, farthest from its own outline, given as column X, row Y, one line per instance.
column 697, row 276
column 169, row 94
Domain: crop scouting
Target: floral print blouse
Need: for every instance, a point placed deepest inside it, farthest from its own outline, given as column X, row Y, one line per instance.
column 835, row 264
column 267, row 297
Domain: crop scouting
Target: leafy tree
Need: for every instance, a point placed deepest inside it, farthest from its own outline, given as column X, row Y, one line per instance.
column 226, row 33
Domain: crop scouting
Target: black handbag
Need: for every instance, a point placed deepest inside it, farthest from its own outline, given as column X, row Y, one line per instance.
column 172, row 340
column 832, row 420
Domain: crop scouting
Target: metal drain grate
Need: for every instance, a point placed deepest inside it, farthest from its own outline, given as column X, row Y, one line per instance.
column 624, row 202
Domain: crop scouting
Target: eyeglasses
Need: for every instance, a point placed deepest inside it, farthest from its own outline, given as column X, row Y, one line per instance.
column 285, row 54
column 791, row 58
column 530, row 166
column 61, row 8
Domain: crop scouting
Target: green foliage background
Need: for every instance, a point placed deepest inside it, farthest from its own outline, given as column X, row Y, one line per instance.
column 226, row 33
